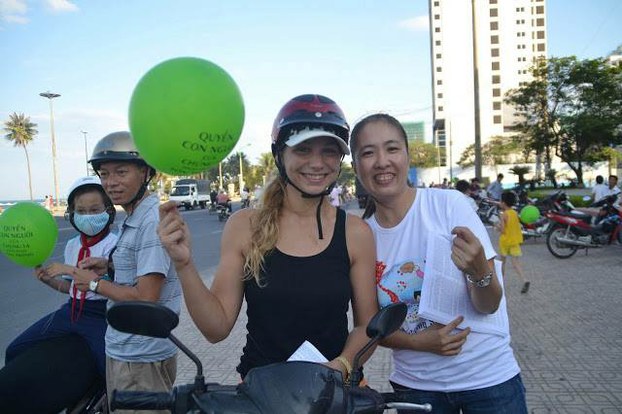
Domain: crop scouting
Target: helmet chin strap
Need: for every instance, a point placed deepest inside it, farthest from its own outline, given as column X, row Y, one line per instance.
column 304, row 194
column 141, row 191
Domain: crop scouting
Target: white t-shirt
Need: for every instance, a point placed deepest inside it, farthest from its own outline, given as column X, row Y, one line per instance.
column 101, row 249
column 599, row 191
column 486, row 359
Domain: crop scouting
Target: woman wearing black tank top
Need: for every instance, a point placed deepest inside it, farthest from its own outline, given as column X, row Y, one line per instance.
column 298, row 261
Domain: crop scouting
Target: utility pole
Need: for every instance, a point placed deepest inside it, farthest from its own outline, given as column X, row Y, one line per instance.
column 478, row 138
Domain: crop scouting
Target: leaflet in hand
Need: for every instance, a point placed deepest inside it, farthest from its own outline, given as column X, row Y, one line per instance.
column 444, row 294
column 307, row 352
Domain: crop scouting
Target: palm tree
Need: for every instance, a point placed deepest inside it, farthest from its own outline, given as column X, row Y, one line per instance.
column 20, row 131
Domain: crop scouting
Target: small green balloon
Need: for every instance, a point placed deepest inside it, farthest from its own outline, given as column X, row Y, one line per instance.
column 28, row 234
column 186, row 115
column 529, row 214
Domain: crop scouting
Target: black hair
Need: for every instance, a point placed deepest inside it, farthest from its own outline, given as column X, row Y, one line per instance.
column 462, row 186
column 509, row 198
column 370, row 206
column 599, row 179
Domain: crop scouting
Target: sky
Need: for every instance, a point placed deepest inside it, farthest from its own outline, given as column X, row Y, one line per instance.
column 366, row 55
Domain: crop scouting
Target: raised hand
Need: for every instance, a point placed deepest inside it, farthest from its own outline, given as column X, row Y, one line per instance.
column 468, row 253
column 174, row 234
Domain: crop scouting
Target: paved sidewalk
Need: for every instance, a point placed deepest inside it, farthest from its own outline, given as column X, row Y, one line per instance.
column 566, row 334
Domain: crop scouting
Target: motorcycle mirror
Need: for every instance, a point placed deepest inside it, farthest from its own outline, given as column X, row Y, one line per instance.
column 386, row 321
column 383, row 324
column 142, row 318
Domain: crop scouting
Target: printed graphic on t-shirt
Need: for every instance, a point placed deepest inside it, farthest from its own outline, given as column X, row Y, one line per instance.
column 402, row 283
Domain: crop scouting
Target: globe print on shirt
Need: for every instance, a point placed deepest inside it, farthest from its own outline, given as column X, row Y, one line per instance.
column 402, row 283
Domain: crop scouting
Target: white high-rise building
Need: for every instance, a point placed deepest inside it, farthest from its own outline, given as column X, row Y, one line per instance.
column 506, row 37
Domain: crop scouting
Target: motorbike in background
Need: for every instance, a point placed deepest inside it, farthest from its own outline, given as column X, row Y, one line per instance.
column 223, row 212
column 558, row 201
column 575, row 230
column 288, row 387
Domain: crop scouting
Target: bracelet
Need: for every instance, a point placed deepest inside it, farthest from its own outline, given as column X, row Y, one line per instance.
column 344, row 361
column 481, row 283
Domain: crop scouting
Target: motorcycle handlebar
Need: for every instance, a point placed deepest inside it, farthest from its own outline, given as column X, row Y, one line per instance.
column 141, row 400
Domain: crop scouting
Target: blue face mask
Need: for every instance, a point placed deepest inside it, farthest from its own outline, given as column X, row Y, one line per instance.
column 91, row 224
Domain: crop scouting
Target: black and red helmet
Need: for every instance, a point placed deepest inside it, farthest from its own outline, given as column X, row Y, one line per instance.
column 312, row 112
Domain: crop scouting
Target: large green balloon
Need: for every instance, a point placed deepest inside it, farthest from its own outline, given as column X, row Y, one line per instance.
column 529, row 214
column 28, row 234
column 186, row 115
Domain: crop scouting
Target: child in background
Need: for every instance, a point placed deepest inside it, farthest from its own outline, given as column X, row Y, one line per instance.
column 511, row 236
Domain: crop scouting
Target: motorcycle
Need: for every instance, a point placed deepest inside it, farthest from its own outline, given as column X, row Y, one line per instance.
column 223, row 212
column 557, row 201
column 287, row 387
column 488, row 210
column 574, row 230
column 58, row 374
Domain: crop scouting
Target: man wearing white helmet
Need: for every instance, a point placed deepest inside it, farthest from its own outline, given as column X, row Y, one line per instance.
column 91, row 213
column 138, row 269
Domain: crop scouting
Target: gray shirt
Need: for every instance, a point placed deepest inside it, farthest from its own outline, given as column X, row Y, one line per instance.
column 139, row 252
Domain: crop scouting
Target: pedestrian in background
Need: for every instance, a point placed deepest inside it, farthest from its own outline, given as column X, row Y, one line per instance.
column 511, row 237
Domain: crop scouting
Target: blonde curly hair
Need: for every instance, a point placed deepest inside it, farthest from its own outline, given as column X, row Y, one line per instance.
column 264, row 228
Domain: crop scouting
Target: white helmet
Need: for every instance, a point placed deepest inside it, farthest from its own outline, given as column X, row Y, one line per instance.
column 81, row 182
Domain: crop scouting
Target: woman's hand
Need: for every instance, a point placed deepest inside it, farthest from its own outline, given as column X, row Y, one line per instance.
column 440, row 340
column 174, row 234
column 468, row 254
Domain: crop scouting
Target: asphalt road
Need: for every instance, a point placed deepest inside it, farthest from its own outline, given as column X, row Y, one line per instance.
column 23, row 299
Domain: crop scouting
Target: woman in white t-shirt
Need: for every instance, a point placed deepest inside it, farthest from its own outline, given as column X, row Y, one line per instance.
column 452, row 368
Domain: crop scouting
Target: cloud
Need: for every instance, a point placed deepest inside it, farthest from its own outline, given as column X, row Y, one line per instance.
column 415, row 24
column 61, row 6
column 13, row 11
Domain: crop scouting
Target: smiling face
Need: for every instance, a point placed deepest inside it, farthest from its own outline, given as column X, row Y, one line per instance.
column 314, row 164
column 122, row 180
column 381, row 159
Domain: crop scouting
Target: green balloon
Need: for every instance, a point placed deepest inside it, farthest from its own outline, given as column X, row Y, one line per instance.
column 28, row 234
column 529, row 214
column 186, row 115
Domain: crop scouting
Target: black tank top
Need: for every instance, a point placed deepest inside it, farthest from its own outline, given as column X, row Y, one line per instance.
column 302, row 298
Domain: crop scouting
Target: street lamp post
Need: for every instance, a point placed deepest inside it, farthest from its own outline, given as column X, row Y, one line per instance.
column 86, row 152
column 51, row 96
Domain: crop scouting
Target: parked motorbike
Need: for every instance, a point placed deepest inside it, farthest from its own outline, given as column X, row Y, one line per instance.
column 288, row 387
column 488, row 210
column 574, row 230
column 558, row 201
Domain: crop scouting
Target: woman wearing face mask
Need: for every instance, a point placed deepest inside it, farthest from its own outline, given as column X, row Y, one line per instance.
column 91, row 213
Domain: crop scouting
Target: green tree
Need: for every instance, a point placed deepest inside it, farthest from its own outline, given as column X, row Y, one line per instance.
column 422, row 154
column 266, row 165
column 496, row 151
column 520, row 171
column 572, row 107
column 20, row 131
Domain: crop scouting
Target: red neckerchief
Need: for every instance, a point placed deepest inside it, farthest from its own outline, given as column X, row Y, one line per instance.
column 85, row 243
